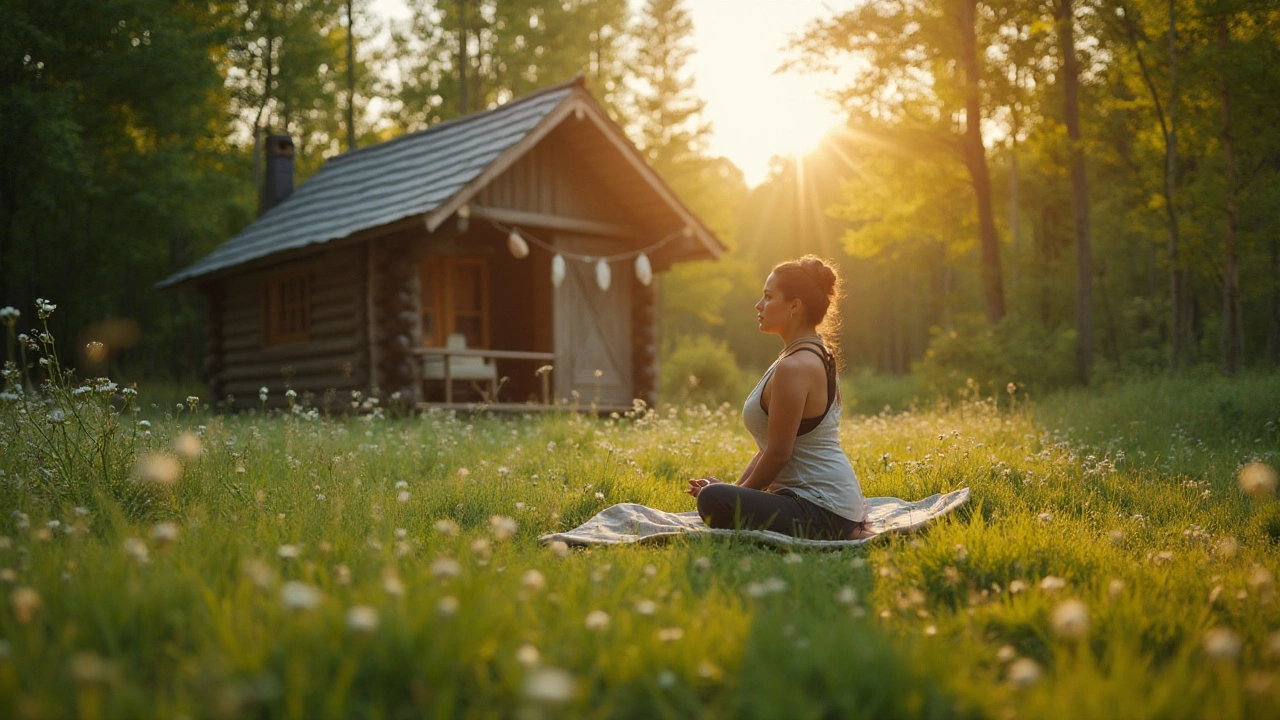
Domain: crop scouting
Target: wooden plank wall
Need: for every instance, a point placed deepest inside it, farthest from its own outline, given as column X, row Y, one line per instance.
column 334, row 357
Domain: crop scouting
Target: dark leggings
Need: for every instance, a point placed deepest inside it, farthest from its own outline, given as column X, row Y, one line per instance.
column 733, row 507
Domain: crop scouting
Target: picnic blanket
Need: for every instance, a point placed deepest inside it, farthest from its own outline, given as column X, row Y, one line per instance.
column 631, row 523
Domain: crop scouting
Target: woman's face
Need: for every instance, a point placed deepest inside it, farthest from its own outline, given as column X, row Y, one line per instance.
column 773, row 312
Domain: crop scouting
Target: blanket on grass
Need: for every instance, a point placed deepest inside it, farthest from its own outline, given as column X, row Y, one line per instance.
column 630, row 523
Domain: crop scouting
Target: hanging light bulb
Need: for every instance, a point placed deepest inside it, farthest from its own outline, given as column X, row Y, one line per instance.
column 603, row 275
column 644, row 270
column 517, row 245
column 557, row 270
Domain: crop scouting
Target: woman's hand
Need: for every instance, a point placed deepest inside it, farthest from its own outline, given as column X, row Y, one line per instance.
column 696, row 484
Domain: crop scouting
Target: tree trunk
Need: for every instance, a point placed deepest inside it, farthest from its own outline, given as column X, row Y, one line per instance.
column 975, row 154
column 462, row 57
column 1232, row 330
column 1273, row 308
column 1178, row 279
column 262, row 109
column 1079, row 191
column 351, row 80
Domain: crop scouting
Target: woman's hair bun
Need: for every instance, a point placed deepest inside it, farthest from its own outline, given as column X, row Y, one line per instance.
column 824, row 276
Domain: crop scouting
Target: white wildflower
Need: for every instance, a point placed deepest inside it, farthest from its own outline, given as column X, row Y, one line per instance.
column 533, row 580
column 646, row 607
column 447, row 606
column 445, row 567
column 527, row 655
column 288, row 552
column 296, row 595
column 136, row 549
column 1024, row 672
column 362, row 619
column 549, row 686
column 165, row 533
column 446, row 527
column 1052, row 583
column 597, row 620
column 559, row 548
column 503, row 527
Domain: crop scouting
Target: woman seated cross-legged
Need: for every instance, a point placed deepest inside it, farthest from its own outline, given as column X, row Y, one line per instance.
column 800, row 482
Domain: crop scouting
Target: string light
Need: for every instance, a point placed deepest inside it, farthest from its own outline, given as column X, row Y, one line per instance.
column 518, row 242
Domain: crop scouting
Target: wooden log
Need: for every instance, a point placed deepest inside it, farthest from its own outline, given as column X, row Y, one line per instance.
column 299, row 366
column 341, row 344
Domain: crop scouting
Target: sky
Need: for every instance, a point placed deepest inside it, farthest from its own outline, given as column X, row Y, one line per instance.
column 754, row 112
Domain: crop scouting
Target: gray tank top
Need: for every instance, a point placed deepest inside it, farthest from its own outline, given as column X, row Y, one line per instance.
column 818, row 470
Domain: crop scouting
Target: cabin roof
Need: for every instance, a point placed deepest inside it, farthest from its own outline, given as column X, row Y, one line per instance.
column 430, row 173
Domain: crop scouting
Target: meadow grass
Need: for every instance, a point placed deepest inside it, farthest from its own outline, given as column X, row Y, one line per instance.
column 291, row 564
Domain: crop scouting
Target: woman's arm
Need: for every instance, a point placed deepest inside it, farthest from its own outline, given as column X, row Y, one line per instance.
column 750, row 467
column 786, row 407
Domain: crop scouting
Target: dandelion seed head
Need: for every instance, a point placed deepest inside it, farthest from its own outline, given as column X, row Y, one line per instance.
column 533, row 580
column 391, row 583
column 1070, row 620
column 1226, row 547
column 259, row 573
column 446, row 527
column 403, row 496
column 559, row 548
column 1006, row 653
column 1222, row 643
column 847, row 596
column 1257, row 479
column 158, row 468
column 503, row 527
column 1115, row 588
column 288, row 552
column 25, row 601
column 1017, row 586
column 646, row 607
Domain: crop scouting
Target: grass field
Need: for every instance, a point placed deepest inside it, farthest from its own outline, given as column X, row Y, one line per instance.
column 290, row 564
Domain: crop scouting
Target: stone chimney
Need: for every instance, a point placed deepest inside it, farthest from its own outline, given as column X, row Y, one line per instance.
column 277, row 181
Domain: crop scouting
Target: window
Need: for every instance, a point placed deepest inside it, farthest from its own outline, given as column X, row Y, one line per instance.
column 455, row 299
column 286, row 309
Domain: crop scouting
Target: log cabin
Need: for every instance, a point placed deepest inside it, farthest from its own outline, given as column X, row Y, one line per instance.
column 504, row 257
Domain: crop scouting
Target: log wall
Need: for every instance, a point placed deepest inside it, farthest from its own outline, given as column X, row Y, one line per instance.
column 334, row 357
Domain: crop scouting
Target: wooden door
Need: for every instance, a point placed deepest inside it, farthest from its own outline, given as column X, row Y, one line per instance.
column 593, row 331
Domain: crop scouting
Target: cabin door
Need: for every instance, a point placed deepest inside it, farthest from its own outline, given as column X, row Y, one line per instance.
column 593, row 330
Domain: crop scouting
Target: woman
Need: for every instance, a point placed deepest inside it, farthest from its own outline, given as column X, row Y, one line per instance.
column 800, row 483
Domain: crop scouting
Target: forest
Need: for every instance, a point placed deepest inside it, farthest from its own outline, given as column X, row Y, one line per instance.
column 1047, row 193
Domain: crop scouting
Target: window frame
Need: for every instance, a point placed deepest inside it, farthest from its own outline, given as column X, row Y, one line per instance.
column 274, row 320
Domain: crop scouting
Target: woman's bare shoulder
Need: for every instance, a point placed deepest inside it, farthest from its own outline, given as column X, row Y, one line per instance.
column 802, row 364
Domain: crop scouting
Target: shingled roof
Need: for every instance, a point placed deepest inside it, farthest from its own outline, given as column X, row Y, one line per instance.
column 425, row 173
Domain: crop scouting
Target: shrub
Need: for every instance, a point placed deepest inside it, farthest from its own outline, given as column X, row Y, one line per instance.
column 1015, row 350
column 701, row 369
